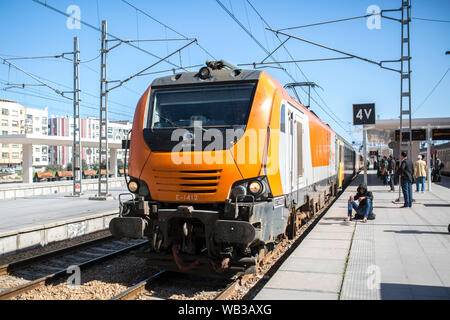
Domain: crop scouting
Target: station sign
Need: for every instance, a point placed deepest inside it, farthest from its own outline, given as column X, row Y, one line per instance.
column 364, row 114
column 417, row 135
column 441, row 134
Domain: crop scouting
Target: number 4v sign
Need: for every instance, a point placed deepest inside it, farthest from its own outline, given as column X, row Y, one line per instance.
column 364, row 113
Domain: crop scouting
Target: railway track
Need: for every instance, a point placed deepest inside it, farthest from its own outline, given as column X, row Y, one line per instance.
column 28, row 274
column 142, row 288
column 244, row 284
column 40, row 271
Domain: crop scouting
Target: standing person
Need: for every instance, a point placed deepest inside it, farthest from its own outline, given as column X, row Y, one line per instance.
column 406, row 175
column 420, row 172
column 391, row 172
column 383, row 171
column 439, row 166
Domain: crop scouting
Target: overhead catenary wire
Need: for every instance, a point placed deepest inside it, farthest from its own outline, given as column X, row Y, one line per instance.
column 328, row 22
column 99, row 30
column 335, row 118
column 294, row 61
column 59, row 92
column 54, row 99
column 431, row 92
column 430, row 20
column 68, row 87
column 41, row 95
column 272, row 58
column 166, row 26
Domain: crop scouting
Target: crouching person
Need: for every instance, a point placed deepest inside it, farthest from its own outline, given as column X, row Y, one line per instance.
column 364, row 208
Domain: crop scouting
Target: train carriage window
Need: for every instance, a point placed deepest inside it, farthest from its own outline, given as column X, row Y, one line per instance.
column 283, row 119
column 299, row 149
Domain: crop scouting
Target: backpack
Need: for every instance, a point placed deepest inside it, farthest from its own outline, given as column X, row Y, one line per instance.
column 371, row 216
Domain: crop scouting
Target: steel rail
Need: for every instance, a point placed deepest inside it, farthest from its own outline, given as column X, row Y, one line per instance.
column 4, row 269
column 137, row 289
column 10, row 293
column 227, row 292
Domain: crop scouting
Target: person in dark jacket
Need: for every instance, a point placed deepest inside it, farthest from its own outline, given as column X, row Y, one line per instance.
column 391, row 172
column 365, row 199
column 406, row 176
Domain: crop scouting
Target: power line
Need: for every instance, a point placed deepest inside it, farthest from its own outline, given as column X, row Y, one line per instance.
column 432, row 20
column 43, row 96
column 252, row 36
column 301, row 71
column 166, row 26
column 48, row 98
column 272, row 58
column 294, row 61
column 61, row 93
column 432, row 90
column 327, row 22
column 83, row 91
column 99, row 30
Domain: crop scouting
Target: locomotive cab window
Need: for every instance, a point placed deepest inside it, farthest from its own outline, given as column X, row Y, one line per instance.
column 212, row 106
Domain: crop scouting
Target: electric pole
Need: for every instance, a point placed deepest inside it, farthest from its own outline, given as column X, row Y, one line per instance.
column 76, row 149
column 103, row 174
column 405, row 83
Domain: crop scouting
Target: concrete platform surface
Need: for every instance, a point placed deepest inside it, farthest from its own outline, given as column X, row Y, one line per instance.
column 31, row 212
column 403, row 254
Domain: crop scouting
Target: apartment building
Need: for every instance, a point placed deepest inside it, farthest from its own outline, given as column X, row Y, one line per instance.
column 12, row 119
column 63, row 126
column 16, row 119
column 36, row 122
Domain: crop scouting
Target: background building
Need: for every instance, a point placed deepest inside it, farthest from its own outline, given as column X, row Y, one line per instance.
column 36, row 122
column 63, row 126
column 16, row 119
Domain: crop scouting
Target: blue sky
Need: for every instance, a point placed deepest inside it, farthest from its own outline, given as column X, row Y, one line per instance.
column 30, row 29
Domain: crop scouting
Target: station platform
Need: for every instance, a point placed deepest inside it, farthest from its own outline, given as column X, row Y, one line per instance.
column 16, row 190
column 403, row 254
column 40, row 220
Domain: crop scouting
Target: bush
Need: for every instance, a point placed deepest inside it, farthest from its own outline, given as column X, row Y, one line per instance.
column 53, row 168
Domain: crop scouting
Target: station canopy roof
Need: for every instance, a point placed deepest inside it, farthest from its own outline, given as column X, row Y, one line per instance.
column 383, row 131
column 36, row 139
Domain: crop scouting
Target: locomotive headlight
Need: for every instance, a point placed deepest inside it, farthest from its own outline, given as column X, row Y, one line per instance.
column 255, row 187
column 133, row 186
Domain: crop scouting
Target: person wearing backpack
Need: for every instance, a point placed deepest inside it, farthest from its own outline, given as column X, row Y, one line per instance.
column 364, row 208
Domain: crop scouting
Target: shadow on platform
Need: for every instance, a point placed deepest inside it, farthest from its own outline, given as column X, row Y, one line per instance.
column 436, row 205
column 415, row 232
column 394, row 291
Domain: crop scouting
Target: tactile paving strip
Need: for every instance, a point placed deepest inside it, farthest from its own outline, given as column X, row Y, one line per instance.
column 361, row 280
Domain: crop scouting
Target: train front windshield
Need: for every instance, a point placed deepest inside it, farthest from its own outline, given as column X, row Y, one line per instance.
column 207, row 106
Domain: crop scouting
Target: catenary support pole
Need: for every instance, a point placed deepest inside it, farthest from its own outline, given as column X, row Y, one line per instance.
column 365, row 153
column 429, row 157
column 76, row 148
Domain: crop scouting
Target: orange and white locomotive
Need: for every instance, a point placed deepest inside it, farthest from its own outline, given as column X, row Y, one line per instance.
column 221, row 161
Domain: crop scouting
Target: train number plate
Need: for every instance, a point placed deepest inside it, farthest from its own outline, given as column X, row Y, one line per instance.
column 186, row 197
column 278, row 202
